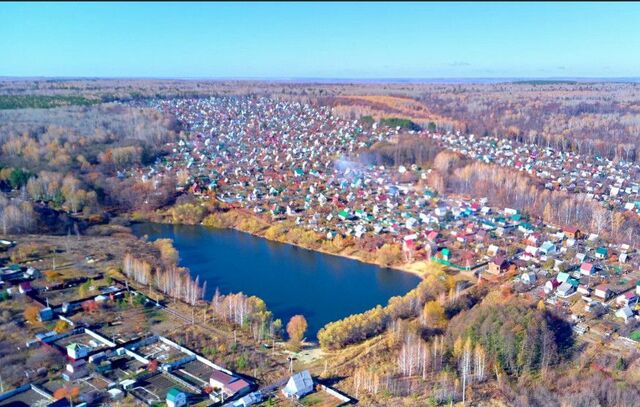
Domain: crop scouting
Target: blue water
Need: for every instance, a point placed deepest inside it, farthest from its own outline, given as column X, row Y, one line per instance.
column 289, row 279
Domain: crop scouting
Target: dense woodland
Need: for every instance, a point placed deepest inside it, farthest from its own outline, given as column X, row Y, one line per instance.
column 68, row 160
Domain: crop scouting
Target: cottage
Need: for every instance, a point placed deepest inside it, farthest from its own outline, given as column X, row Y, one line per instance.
column 571, row 232
column 565, row 289
column 625, row 313
column 603, row 291
column 497, row 265
column 176, row 398
column 628, row 298
column 492, row 251
column 249, row 400
column 299, row 385
column 548, row 248
column 46, row 314
column 601, row 252
column 24, row 287
column 228, row 384
column 587, row 269
column 76, row 351
column 529, row 277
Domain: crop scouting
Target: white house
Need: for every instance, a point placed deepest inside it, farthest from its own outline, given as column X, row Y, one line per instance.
column 565, row 289
column 299, row 385
column 75, row 351
column 529, row 277
column 625, row 313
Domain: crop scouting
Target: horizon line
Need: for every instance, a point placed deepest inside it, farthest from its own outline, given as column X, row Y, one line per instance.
column 468, row 79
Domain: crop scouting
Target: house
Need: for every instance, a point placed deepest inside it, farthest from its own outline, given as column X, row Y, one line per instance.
column 628, row 298
column 25, row 287
column 529, row 277
column 76, row 351
column 587, row 269
column 565, row 289
column 249, row 400
column 497, row 265
column 228, row 384
column 46, row 314
column 603, row 291
column 601, row 252
column 299, row 385
column 492, row 250
column 571, row 232
column 548, row 248
column 176, row 398
column 638, row 287
column 623, row 258
column 625, row 313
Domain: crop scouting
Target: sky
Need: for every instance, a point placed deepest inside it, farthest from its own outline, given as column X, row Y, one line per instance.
column 320, row 40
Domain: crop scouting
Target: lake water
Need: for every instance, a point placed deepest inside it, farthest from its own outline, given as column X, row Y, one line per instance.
column 291, row 280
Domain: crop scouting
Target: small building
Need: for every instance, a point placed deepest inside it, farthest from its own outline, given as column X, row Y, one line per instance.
column 498, row 265
column 24, row 287
column 625, row 313
column 529, row 277
column 299, row 385
column 115, row 394
column 45, row 314
column 228, row 384
column 76, row 351
column 628, row 298
column 572, row 232
column 548, row 248
column 601, row 252
column 587, row 269
column 565, row 289
column 176, row 398
column 248, row 400
column 602, row 291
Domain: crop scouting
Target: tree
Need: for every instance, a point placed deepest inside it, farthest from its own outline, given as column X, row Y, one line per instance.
column 31, row 314
column 296, row 328
column 433, row 314
column 61, row 326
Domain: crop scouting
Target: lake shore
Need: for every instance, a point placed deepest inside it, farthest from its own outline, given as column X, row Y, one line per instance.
column 322, row 288
column 417, row 268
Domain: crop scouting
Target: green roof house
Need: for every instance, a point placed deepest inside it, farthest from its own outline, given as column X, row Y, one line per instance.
column 176, row 398
column 601, row 252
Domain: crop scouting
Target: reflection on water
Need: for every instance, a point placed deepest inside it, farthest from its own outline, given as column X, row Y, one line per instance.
column 289, row 279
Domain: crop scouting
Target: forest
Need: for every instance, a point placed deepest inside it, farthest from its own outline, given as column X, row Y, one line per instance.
column 68, row 159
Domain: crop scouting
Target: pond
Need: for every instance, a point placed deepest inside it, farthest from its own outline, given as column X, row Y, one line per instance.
column 291, row 280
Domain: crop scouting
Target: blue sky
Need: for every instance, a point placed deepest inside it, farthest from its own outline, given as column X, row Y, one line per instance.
column 320, row 40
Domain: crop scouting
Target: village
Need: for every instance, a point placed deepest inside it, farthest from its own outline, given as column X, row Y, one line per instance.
column 615, row 184
column 301, row 166
column 101, row 338
column 291, row 161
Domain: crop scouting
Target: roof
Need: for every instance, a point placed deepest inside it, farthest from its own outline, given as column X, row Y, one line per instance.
column 236, row 385
column 173, row 393
column 587, row 266
column 299, row 384
column 222, row 377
